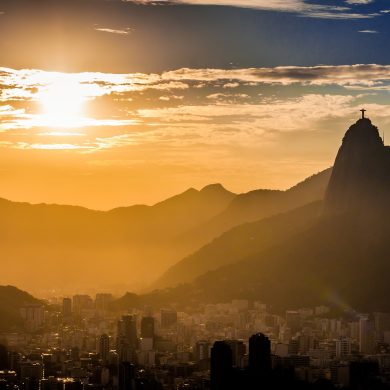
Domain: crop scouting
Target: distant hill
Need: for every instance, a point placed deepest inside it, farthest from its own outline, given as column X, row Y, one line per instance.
column 54, row 246
column 339, row 256
column 258, row 204
column 11, row 300
column 252, row 206
column 342, row 262
column 333, row 262
column 241, row 242
column 129, row 247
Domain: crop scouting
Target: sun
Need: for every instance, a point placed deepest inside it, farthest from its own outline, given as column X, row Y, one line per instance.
column 62, row 101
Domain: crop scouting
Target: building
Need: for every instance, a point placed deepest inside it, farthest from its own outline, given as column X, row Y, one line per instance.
column 147, row 327
column 66, row 308
column 366, row 336
column 33, row 316
column 126, row 376
column 238, row 352
column 81, row 302
column 293, row 320
column 127, row 340
column 102, row 302
column 382, row 324
column 3, row 357
column 168, row 319
column 221, row 366
column 259, row 354
column 202, row 350
column 343, row 347
column 104, row 348
column 32, row 370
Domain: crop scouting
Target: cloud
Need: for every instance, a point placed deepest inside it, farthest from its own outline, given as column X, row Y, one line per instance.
column 231, row 85
column 132, row 109
column 300, row 7
column 125, row 31
column 369, row 31
column 353, row 2
column 344, row 75
column 227, row 96
column 172, row 97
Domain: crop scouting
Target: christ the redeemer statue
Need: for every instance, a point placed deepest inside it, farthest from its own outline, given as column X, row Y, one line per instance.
column 363, row 111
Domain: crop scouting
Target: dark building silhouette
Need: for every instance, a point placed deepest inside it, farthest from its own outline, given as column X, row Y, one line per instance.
column 221, row 366
column 126, row 376
column 127, row 341
column 3, row 358
column 259, row 354
column 104, row 348
column 238, row 352
column 363, row 374
column 147, row 327
column 127, row 331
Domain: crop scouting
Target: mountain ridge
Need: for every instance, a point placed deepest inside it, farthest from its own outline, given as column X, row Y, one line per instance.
column 332, row 260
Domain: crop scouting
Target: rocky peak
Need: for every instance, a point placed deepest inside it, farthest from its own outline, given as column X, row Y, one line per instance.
column 361, row 173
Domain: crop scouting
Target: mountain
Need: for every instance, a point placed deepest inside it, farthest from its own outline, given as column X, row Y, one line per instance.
column 128, row 247
column 361, row 177
column 258, row 204
column 241, row 242
column 11, row 300
column 252, row 206
column 339, row 256
column 50, row 246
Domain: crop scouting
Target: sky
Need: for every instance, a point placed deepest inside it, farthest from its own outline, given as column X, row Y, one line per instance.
column 107, row 103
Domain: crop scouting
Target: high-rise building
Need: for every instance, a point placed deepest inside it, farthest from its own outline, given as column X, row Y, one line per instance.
column 104, row 348
column 66, row 307
column 343, row 347
column 81, row 302
column 221, row 366
column 145, row 344
column 31, row 370
column 202, row 350
column 102, row 302
column 366, row 335
column 127, row 341
column 238, row 351
column 340, row 374
column 129, row 330
column 168, row 318
column 3, row 357
column 33, row 316
column 126, row 376
column 382, row 324
column 259, row 354
column 147, row 327
column 293, row 320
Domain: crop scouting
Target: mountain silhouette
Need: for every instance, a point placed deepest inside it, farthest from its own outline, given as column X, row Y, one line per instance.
column 360, row 179
column 244, row 208
column 11, row 300
column 336, row 252
column 253, row 206
column 110, row 248
column 240, row 242
column 129, row 247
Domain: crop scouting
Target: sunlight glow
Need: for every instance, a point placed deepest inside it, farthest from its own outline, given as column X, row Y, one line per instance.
column 62, row 102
